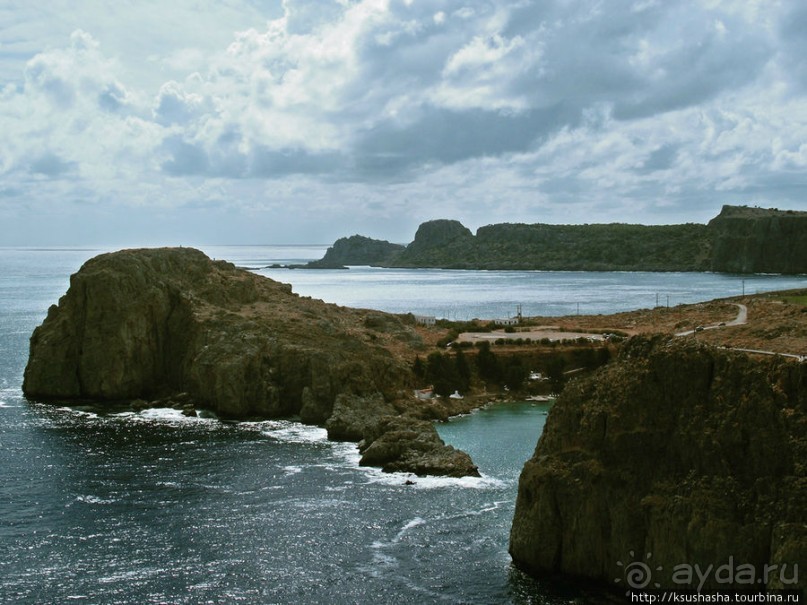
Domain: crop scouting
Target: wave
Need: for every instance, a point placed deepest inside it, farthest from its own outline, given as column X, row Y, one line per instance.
column 288, row 431
column 94, row 500
column 376, row 475
column 342, row 456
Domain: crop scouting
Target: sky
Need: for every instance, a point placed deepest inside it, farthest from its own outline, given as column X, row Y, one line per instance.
column 300, row 121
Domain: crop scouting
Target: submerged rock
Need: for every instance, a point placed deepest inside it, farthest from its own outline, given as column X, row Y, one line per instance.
column 172, row 327
column 679, row 451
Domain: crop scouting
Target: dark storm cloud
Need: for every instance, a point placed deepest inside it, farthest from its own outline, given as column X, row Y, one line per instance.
column 446, row 136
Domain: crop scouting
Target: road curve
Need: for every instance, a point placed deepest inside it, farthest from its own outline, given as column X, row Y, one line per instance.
column 741, row 319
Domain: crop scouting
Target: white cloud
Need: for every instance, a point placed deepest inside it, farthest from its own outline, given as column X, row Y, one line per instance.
column 388, row 111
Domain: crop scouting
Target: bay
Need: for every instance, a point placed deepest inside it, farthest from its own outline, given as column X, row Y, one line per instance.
column 157, row 508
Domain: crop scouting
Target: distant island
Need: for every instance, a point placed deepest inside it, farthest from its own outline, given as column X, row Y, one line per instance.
column 741, row 239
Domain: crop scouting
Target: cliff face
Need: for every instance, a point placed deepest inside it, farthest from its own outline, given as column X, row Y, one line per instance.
column 692, row 454
column 755, row 240
column 147, row 324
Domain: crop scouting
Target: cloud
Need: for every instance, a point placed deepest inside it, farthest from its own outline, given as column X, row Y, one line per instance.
column 394, row 110
column 50, row 165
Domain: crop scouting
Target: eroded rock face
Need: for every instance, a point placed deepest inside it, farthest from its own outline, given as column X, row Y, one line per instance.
column 757, row 240
column 693, row 454
column 145, row 325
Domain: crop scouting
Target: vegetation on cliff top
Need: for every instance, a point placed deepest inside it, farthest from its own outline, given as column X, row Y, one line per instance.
column 740, row 239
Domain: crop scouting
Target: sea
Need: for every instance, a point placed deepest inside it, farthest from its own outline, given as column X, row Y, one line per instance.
column 156, row 508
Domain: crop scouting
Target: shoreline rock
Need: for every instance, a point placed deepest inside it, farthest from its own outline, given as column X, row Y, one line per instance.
column 693, row 454
column 171, row 327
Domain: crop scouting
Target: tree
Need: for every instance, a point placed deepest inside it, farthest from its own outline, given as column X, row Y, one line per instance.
column 487, row 363
column 554, row 372
column 514, row 373
column 418, row 368
column 441, row 373
column 463, row 371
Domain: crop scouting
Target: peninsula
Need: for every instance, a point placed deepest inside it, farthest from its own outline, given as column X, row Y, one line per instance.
column 170, row 327
column 740, row 239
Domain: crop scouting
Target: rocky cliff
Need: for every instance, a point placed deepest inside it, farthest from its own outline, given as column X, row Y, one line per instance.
column 739, row 240
column 171, row 324
column 440, row 243
column 678, row 453
column 357, row 250
column 757, row 240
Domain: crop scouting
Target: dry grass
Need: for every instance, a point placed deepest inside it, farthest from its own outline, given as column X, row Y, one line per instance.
column 776, row 322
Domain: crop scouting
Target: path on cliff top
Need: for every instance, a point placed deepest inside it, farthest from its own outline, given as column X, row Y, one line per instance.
column 741, row 319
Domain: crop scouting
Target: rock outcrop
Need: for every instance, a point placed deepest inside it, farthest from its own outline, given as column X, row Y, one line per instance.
column 357, row 250
column 437, row 243
column 693, row 454
column 757, row 240
column 172, row 325
column 401, row 444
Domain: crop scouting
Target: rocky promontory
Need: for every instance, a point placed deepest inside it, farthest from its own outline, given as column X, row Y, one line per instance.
column 171, row 325
column 356, row 250
column 741, row 239
column 757, row 240
column 679, row 454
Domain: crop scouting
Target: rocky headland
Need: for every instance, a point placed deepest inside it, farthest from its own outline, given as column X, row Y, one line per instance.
column 755, row 240
column 740, row 239
column 356, row 250
column 156, row 327
column 678, row 454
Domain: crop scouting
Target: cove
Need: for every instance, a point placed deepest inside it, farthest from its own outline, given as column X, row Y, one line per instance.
column 499, row 437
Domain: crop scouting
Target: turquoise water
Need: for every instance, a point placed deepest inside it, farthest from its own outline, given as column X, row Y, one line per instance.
column 498, row 436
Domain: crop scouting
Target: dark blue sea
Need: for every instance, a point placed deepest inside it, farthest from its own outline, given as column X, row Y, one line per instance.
column 159, row 508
